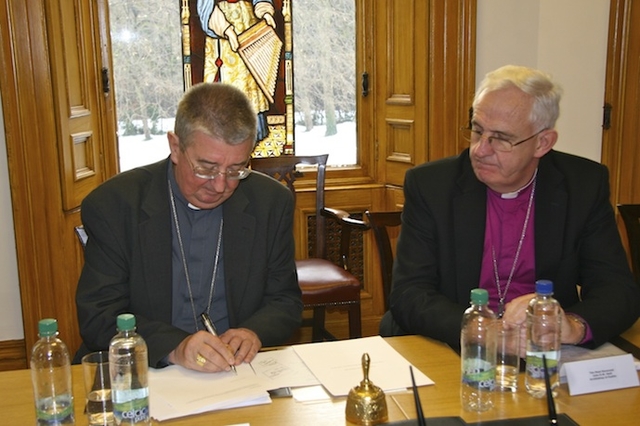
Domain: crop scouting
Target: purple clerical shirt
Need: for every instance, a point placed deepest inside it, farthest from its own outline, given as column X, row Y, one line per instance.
column 506, row 214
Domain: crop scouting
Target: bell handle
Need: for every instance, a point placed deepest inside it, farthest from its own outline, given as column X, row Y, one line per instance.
column 366, row 362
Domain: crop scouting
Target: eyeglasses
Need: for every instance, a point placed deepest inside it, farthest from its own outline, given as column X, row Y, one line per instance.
column 497, row 143
column 213, row 172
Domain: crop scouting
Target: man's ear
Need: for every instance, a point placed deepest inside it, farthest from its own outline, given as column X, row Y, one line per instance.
column 174, row 144
column 545, row 142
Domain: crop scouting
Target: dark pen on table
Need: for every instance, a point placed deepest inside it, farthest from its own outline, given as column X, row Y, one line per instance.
column 212, row 329
column 551, row 405
column 416, row 398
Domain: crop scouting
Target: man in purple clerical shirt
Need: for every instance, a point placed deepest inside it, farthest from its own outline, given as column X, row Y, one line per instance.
column 508, row 211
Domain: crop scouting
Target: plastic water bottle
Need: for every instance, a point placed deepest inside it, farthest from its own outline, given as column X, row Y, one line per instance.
column 128, row 367
column 478, row 354
column 51, row 377
column 544, row 322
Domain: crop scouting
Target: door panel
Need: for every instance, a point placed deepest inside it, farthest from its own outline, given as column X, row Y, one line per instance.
column 425, row 85
column 74, row 67
column 402, row 28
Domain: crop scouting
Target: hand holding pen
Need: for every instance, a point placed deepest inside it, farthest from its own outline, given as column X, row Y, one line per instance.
column 211, row 329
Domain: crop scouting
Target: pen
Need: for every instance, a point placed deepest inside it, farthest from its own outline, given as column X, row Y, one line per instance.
column 416, row 399
column 208, row 324
column 553, row 417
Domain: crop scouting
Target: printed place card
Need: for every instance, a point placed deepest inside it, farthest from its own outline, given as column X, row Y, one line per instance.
column 601, row 374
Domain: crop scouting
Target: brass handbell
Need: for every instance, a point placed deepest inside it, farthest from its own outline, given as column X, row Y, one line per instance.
column 366, row 403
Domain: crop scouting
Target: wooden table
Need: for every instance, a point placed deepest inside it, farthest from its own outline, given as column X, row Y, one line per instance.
column 619, row 407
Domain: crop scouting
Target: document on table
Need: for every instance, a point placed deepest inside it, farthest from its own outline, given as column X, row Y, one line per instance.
column 176, row 391
column 282, row 368
column 338, row 365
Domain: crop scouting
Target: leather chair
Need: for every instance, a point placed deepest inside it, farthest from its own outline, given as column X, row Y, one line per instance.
column 381, row 223
column 630, row 214
column 324, row 284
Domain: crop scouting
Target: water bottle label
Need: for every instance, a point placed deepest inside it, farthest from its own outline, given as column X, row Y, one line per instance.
column 479, row 374
column 134, row 411
column 535, row 366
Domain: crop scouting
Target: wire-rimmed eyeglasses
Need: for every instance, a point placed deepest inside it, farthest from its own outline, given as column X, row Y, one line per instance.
column 213, row 172
column 498, row 143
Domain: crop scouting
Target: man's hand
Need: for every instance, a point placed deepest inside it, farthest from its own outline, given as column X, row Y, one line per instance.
column 516, row 313
column 244, row 343
column 203, row 351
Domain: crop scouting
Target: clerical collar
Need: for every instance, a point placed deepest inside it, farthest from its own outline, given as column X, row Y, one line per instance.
column 514, row 194
column 176, row 189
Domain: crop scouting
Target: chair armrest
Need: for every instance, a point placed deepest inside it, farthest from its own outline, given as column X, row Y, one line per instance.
column 347, row 224
column 344, row 218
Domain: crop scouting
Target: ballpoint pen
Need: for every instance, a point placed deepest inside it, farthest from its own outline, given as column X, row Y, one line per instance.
column 208, row 324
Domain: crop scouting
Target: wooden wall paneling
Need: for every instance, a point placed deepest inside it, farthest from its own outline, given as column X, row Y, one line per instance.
column 614, row 91
column 424, row 89
column 13, row 355
column 451, row 75
column 400, row 86
column 620, row 146
column 30, row 137
column 629, row 184
column 400, row 152
column 77, row 86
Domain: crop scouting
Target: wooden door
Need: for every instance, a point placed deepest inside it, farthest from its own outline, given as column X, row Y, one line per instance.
column 60, row 134
column 621, row 138
column 425, row 86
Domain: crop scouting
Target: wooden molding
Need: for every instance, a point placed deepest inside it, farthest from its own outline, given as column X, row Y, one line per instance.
column 13, row 355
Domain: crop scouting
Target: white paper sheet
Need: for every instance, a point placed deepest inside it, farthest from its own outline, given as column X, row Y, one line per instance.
column 338, row 365
column 176, row 391
column 282, row 368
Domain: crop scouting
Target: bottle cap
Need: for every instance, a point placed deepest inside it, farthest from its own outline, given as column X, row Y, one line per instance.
column 544, row 287
column 126, row 322
column 48, row 326
column 479, row 296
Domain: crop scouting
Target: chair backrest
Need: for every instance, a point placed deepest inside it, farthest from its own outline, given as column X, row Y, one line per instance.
column 284, row 169
column 630, row 214
column 381, row 223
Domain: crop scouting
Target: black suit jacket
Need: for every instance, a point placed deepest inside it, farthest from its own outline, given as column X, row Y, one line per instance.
column 128, row 260
column 439, row 251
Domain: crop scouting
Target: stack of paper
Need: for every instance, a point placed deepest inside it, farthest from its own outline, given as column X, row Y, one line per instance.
column 176, row 392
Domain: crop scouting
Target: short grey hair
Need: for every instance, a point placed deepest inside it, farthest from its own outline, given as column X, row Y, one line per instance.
column 217, row 109
column 545, row 92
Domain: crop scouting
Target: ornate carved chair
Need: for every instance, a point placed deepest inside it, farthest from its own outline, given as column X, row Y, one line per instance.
column 324, row 284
